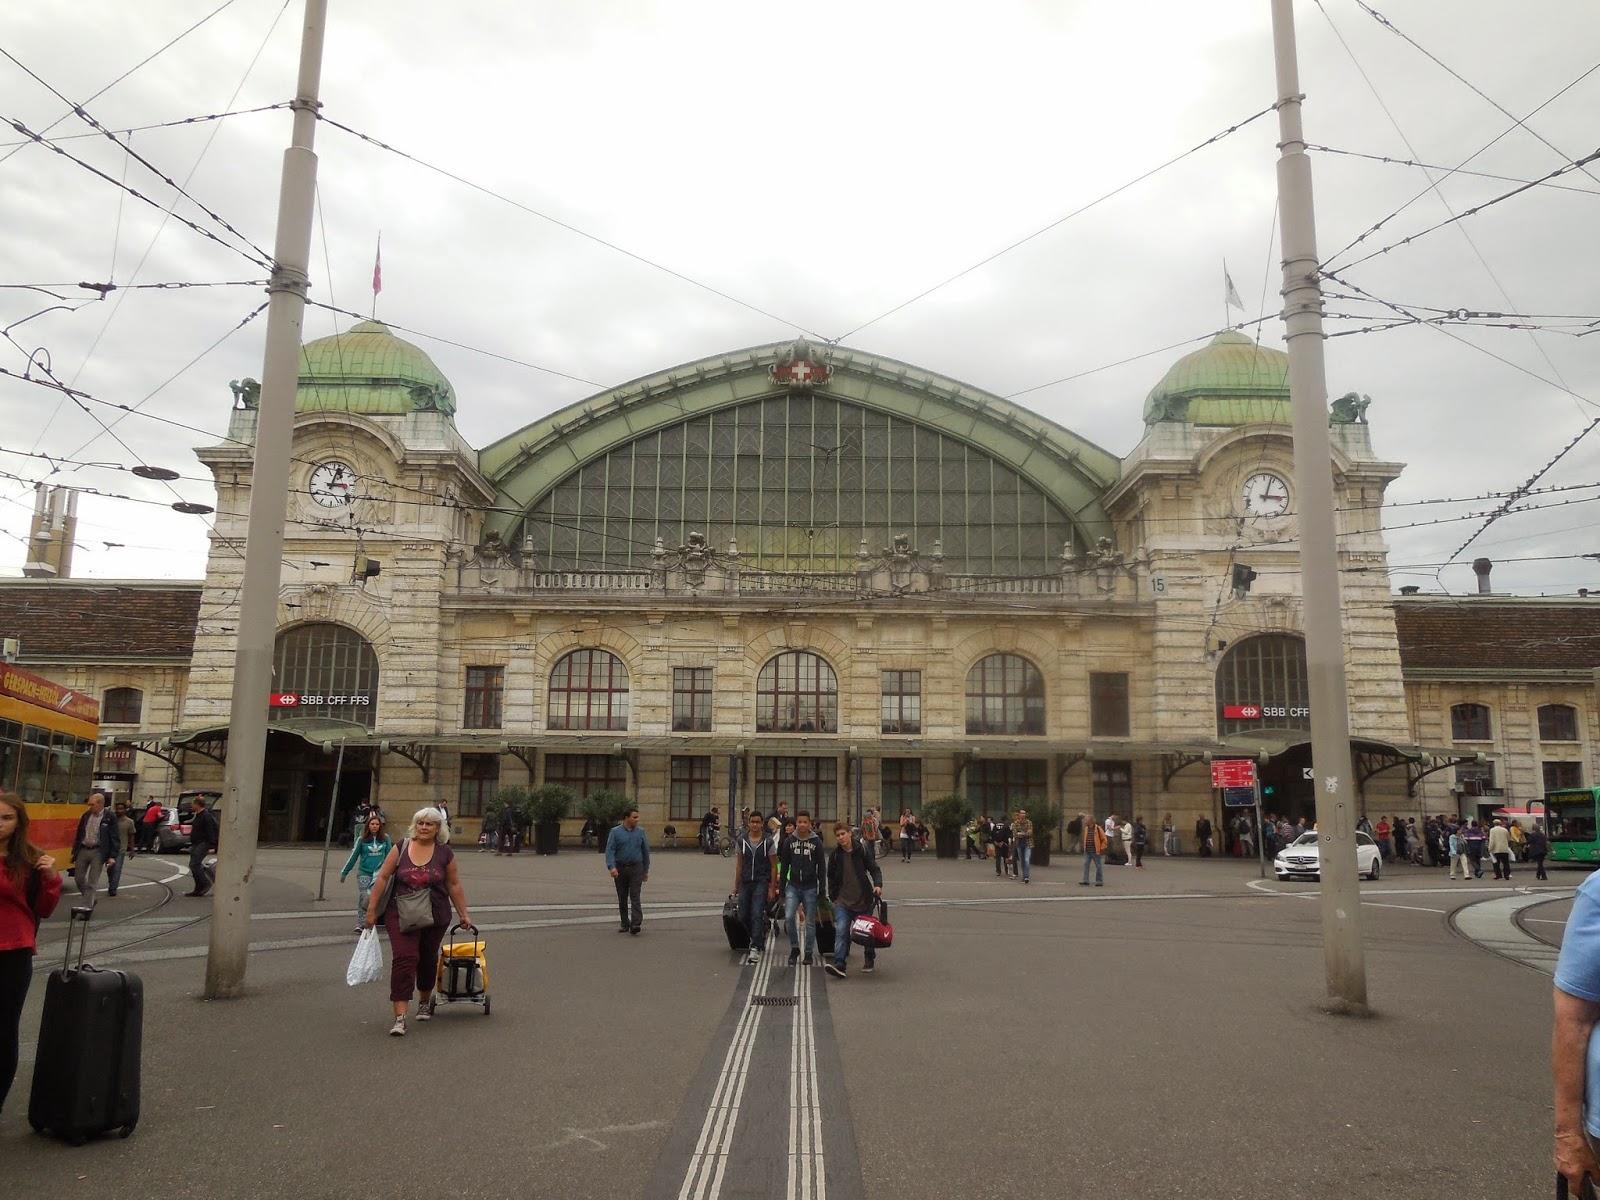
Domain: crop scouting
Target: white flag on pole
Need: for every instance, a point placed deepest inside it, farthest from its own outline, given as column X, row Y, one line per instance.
column 1230, row 293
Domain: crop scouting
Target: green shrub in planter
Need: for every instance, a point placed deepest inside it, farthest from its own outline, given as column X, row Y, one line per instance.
column 545, row 809
column 946, row 815
column 513, row 796
column 605, row 808
column 1046, row 818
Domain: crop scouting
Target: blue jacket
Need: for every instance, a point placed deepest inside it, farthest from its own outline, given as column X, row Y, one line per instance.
column 627, row 846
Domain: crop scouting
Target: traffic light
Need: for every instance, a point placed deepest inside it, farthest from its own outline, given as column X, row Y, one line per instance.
column 1243, row 577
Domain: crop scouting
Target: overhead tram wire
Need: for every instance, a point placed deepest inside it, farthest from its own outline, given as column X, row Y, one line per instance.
column 1393, row 161
column 485, row 190
column 146, row 60
column 1462, row 79
column 263, row 256
column 173, row 124
column 1061, row 220
column 1433, row 184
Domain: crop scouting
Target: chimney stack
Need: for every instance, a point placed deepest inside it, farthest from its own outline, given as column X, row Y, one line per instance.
column 1410, row 589
column 55, row 525
column 1481, row 568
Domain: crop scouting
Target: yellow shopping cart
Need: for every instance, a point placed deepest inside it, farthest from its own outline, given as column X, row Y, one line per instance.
column 463, row 969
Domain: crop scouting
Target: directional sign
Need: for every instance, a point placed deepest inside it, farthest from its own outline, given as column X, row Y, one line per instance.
column 1233, row 773
column 1308, row 775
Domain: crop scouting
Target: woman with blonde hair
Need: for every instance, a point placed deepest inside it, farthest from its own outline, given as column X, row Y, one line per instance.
column 416, row 911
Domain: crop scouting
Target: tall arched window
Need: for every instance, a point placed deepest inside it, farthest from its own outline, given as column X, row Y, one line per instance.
column 1005, row 694
column 325, row 670
column 589, row 690
column 1261, row 684
column 1470, row 723
column 797, row 692
column 1557, row 723
column 121, row 706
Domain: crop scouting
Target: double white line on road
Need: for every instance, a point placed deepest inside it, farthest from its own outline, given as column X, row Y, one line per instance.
column 807, row 1180
column 708, row 1163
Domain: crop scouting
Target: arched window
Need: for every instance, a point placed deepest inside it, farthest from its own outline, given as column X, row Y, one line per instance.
column 1558, row 723
column 1261, row 684
column 1470, row 723
column 589, row 690
column 121, row 706
column 324, row 670
column 1005, row 694
column 797, row 692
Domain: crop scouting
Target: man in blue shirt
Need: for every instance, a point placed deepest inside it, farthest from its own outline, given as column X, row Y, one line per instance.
column 1574, row 1050
column 628, row 860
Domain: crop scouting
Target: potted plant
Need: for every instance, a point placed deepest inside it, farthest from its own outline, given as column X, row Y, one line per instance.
column 545, row 807
column 1046, row 818
column 605, row 809
column 512, row 797
column 946, row 815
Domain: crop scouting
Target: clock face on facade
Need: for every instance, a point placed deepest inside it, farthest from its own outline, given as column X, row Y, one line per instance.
column 1265, row 495
column 333, row 485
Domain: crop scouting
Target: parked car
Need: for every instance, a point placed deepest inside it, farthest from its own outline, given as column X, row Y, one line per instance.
column 172, row 833
column 1300, row 858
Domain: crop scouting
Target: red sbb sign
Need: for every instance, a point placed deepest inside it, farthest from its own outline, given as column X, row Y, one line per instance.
column 1241, row 712
column 1233, row 773
column 284, row 700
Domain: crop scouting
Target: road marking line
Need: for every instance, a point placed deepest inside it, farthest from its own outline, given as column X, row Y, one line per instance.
column 1407, row 907
column 1544, row 920
column 703, row 1179
column 807, row 1175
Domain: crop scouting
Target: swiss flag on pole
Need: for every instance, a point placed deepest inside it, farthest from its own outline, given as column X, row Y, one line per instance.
column 377, row 268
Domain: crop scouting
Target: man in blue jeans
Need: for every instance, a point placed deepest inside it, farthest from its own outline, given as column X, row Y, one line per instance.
column 1022, row 845
column 800, row 869
column 1574, row 1050
column 1094, row 850
column 753, row 882
column 855, row 883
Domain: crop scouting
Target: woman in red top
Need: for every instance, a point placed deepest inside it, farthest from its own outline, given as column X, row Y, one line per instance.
column 29, row 892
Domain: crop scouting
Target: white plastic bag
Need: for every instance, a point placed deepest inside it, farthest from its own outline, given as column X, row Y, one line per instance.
column 366, row 964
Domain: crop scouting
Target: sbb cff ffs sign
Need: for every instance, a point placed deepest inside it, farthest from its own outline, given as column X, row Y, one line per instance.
column 284, row 700
column 1233, row 773
column 1254, row 712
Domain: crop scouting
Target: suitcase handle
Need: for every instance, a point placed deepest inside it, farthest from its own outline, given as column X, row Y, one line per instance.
column 83, row 915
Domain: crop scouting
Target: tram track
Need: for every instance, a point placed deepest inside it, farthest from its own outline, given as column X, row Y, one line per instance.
column 45, row 959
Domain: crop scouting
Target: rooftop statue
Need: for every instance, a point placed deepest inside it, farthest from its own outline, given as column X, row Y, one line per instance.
column 1349, row 409
column 246, row 393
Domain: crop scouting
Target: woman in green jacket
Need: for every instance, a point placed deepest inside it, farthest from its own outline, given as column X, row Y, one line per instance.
column 366, row 856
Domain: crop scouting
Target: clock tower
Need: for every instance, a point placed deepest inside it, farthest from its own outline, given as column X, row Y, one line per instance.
column 381, row 486
column 1207, row 497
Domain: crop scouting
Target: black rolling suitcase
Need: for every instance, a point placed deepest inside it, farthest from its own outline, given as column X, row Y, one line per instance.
column 738, row 935
column 86, row 1078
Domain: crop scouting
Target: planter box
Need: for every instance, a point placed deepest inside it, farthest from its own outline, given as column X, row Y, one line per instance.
column 1041, row 851
column 547, row 837
column 946, row 842
column 601, row 833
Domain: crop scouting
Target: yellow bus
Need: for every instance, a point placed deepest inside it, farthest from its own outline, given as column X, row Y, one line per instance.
column 47, row 747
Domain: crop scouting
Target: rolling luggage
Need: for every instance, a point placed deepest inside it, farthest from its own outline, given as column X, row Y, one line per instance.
column 738, row 935
column 86, row 1078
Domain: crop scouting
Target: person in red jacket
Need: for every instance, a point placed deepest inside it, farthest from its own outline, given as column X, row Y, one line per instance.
column 30, row 888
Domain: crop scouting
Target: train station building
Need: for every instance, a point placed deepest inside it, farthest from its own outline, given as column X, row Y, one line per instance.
column 815, row 575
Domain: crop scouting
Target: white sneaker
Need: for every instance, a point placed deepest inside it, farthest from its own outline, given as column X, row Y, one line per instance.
column 753, row 958
column 398, row 1029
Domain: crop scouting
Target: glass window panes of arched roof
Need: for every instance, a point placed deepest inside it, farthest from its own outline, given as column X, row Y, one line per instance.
column 798, row 480
column 589, row 690
column 1005, row 694
column 332, row 671
column 1267, row 672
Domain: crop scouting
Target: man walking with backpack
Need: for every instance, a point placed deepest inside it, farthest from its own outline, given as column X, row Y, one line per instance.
column 1094, row 850
column 800, row 871
column 854, row 885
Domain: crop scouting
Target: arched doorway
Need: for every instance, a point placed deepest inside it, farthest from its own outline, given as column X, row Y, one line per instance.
column 324, row 682
column 1262, row 689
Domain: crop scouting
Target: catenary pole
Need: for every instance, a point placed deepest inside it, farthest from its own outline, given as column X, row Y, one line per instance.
column 1319, row 564
column 258, row 594
column 333, row 811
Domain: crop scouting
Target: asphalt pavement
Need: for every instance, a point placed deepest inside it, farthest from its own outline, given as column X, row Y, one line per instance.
column 1161, row 1035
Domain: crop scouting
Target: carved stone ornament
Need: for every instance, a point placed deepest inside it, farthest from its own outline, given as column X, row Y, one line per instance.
column 1349, row 409
column 246, row 393
column 801, row 367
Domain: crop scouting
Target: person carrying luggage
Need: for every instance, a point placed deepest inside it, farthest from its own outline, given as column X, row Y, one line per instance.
column 755, row 884
column 30, row 889
column 416, row 911
column 855, row 884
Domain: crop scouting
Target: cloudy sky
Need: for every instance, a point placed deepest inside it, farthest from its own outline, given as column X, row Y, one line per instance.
column 822, row 162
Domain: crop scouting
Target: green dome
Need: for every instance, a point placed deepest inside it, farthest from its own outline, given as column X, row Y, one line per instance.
column 1229, row 381
column 368, row 370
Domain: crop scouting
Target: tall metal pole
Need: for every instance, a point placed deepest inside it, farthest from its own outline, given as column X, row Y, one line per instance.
column 258, row 594
column 333, row 811
column 1319, row 555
